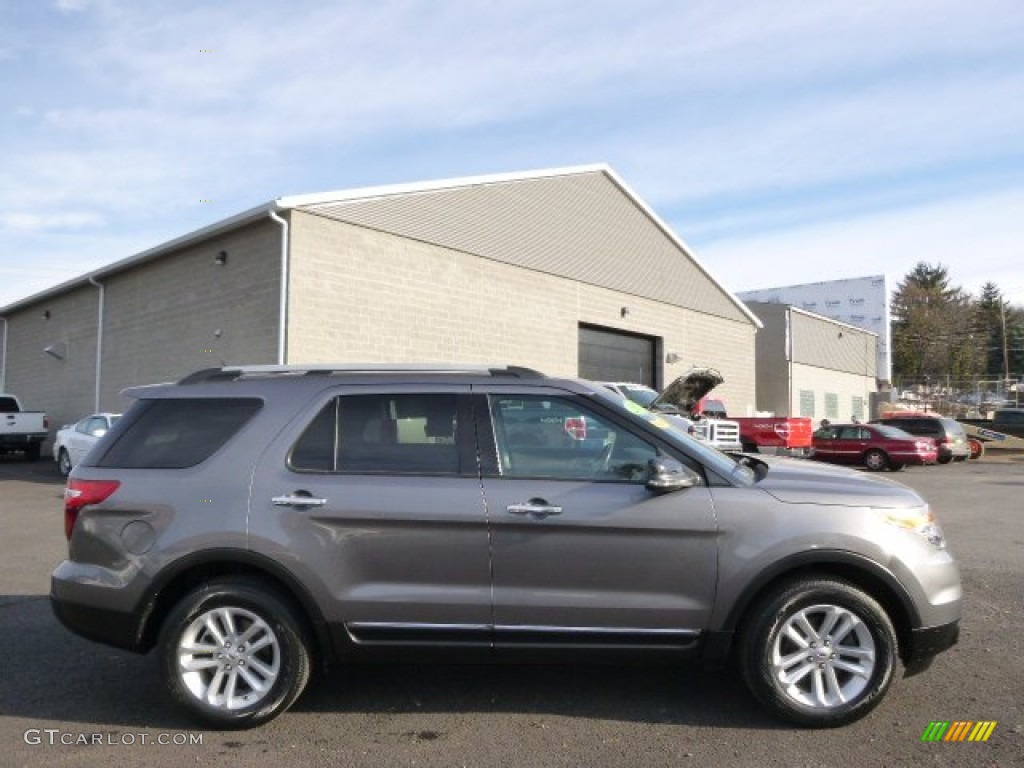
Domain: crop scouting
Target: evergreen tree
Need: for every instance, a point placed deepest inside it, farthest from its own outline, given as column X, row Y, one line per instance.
column 933, row 327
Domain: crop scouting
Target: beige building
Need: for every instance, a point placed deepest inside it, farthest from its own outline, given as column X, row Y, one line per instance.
column 811, row 365
column 566, row 271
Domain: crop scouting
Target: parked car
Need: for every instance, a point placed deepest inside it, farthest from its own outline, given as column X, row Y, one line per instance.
column 249, row 524
column 948, row 434
column 74, row 441
column 875, row 446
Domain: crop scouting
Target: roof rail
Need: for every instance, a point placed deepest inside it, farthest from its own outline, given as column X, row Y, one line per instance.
column 231, row 373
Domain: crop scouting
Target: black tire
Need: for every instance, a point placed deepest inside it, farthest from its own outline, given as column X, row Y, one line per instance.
column 864, row 626
column 945, row 459
column 897, row 467
column 750, row 448
column 64, row 462
column 255, row 611
column 876, row 460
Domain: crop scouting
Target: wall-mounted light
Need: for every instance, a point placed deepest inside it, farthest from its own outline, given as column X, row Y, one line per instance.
column 59, row 350
column 221, row 259
column 624, row 311
column 672, row 357
column 46, row 314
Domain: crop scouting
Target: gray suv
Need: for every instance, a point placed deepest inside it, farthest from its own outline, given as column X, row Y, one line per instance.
column 251, row 524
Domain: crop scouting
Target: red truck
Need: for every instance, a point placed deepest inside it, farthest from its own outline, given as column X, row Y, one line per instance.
column 785, row 435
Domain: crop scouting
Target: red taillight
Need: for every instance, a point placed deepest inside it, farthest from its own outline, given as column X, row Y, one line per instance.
column 82, row 493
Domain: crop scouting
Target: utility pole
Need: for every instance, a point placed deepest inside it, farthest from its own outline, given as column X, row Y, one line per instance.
column 1006, row 351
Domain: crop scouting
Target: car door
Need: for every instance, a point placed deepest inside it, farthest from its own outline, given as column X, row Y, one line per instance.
column 377, row 494
column 582, row 552
column 851, row 443
column 824, row 441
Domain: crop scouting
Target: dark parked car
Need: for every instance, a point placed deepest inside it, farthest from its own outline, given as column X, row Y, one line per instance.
column 253, row 524
column 876, row 446
column 948, row 434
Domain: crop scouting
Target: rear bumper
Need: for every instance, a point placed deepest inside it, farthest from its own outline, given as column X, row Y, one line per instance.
column 94, row 609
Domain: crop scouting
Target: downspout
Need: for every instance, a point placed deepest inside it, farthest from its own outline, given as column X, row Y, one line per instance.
column 282, row 319
column 789, row 361
column 99, row 342
column 3, row 360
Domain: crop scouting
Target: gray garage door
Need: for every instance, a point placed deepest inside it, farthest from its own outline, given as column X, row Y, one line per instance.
column 607, row 355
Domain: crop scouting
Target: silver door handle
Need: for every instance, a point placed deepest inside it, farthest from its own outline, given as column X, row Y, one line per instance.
column 297, row 501
column 535, row 508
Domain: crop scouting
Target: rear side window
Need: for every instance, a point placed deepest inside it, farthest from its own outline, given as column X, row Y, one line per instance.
column 392, row 434
column 8, row 405
column 175, row 434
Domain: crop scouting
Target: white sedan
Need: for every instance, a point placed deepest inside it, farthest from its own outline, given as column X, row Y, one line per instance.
column 73, row 441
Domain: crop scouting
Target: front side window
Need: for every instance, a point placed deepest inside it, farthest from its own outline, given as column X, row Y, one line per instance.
column 396, row 434
column 552, row 437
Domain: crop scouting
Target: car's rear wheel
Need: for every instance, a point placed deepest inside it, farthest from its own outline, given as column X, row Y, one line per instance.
column 64, row 462
column 897, row 467
column 233, row 654
column 876, row 460
column 818, row 652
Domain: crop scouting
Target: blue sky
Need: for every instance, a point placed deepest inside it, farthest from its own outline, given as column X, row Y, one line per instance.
column 785, row 142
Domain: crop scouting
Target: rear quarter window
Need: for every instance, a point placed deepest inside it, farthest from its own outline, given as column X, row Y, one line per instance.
column 177, row 433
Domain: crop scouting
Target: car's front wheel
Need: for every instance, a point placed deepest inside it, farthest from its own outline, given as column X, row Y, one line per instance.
column 233, row 654
column 818, row 652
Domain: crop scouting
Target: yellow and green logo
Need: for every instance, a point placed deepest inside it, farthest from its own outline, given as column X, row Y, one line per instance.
column 958, row 730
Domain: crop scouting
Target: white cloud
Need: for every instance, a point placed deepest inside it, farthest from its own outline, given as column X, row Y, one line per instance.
column 73, row 5
column 29, row 222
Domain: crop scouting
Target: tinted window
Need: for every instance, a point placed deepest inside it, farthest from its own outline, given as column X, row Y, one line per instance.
column 8, row 405
column 557, row 438
column 174, row 434
column 393, row 434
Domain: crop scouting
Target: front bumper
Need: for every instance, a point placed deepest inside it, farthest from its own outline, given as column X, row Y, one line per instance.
column 926, row 643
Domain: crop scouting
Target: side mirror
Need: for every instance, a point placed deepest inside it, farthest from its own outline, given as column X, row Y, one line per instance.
column 665, row 474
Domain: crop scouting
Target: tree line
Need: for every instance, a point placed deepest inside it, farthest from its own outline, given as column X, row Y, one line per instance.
column 940, row 330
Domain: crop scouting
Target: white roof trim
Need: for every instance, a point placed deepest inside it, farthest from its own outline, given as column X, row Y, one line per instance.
column 392, row 190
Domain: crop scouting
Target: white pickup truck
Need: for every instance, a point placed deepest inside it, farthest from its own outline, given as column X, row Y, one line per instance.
column 21, row 431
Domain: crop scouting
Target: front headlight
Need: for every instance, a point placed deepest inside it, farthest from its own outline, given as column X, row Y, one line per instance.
column 921, row 521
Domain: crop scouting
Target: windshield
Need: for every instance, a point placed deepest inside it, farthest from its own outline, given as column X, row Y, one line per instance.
column 641, row 395
column 714, row 459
